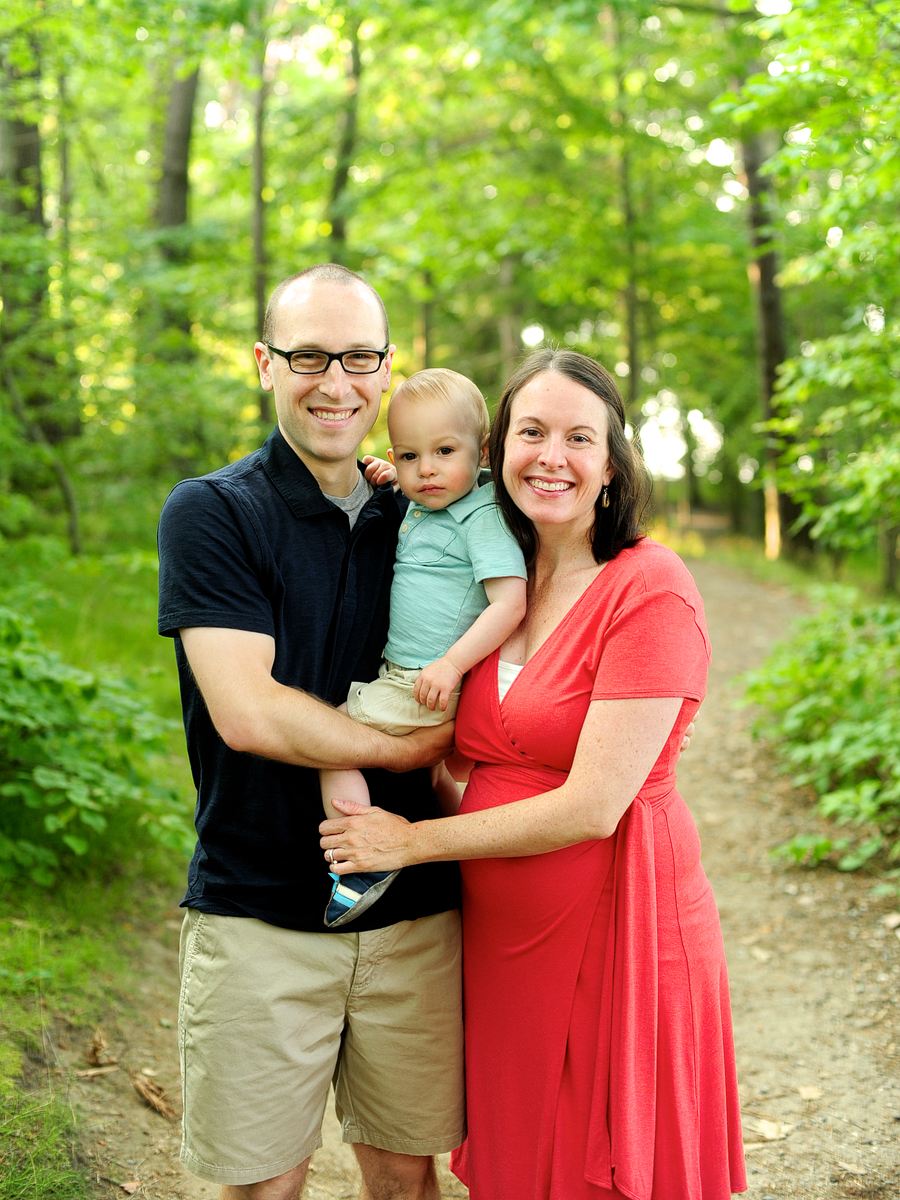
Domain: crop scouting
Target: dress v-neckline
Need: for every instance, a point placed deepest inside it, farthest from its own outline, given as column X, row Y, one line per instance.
column 604, row 570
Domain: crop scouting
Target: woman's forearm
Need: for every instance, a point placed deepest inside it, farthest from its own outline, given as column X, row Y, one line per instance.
column 619, row 744
column 535, row 825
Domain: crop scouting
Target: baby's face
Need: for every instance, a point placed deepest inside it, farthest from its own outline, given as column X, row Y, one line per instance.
column 435, row 450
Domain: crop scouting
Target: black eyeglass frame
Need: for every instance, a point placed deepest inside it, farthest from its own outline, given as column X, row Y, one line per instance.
column 289, row 354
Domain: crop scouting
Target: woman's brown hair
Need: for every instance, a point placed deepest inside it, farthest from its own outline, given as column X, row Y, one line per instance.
column 616, row 527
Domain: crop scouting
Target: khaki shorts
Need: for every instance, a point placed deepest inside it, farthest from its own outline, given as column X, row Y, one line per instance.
column 269, row 1018
column 388, row 704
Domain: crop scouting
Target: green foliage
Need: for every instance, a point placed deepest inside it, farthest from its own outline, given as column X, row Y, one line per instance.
column 832, row 714
column 36, row 1136
column 77, row 779
column 66, row 956
column 832, row 82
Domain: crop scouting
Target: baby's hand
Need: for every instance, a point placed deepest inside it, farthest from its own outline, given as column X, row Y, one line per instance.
column 436, row 684
column 378, row 471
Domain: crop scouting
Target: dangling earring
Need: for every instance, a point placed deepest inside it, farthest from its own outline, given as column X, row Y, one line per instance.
column 604, row 497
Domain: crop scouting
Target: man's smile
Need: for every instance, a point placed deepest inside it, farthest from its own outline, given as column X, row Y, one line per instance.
column 334, row 414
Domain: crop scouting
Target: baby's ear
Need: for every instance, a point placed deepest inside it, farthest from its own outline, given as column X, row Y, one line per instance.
column 391, row 457
column 485, row 459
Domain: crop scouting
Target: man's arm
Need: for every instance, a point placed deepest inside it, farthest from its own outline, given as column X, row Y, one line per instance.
column 255, row 714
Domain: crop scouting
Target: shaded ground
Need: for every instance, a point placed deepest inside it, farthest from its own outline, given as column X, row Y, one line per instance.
column 814, row 978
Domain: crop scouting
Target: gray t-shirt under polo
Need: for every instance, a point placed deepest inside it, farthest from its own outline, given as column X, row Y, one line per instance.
column 353, row 504
column 443, row 555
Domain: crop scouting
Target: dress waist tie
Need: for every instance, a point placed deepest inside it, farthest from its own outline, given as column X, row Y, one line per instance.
column 622, row 1128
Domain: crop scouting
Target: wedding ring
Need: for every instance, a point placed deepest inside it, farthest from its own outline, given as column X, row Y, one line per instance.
column 329, row 854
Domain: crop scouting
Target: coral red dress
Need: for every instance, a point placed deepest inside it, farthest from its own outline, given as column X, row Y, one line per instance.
column 599, row 1051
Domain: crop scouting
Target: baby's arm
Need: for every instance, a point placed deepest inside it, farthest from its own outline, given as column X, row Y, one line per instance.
column 504, row 613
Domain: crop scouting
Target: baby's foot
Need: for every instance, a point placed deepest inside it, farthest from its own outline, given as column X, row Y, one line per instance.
column 353, row 894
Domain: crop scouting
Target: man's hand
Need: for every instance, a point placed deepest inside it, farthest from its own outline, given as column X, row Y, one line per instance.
column 378, row 471
column 436, row 684
column 422, row 748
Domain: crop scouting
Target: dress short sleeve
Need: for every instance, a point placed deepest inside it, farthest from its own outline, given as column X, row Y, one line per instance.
column 655, row 645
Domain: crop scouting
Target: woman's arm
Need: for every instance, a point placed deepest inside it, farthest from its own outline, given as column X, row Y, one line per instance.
column 619, row 744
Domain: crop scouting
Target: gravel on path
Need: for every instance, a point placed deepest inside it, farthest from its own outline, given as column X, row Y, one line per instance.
column 814, row 977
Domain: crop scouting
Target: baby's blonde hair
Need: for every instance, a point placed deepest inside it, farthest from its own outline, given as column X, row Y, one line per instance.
column 439, row 383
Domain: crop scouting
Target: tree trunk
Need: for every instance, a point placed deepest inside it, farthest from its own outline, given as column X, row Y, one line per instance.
column 260, row 261
column 428, row 321
column 172, row 209
column 626, row 186
column 24, row 292
column 891, row 557
column 174, row 185
column 507, row 322
column 36, row 434
column 338, row 200
column 24, row 326
column 65, row 201
column 781, row 510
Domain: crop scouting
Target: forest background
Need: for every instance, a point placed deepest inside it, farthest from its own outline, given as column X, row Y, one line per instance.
column 703, row 196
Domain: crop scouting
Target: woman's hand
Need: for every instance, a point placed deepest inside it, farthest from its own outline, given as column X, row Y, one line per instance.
column 366, row 839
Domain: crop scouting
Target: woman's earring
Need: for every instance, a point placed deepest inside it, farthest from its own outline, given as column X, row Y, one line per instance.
column 604, row 497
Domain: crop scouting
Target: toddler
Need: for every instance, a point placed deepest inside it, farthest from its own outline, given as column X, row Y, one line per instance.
column 458, row 590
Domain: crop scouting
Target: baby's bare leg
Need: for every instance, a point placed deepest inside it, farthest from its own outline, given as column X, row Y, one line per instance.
column 342, row 785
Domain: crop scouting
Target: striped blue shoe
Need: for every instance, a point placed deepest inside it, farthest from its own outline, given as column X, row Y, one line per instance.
column 353, row 894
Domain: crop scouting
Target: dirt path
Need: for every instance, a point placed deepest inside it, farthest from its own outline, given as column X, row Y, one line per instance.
column 814, row 979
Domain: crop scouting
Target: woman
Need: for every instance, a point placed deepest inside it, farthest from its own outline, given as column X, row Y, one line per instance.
column 599, row 1054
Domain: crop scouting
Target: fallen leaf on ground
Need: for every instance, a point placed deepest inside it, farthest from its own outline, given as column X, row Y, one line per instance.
column 852, row 1168
column 892, row 920
column 772, row 1131
column 93, row 1072
column 152, row 1094
column 131, row 1186
column 165, row 1022
column 810, row 1093
column 97, row 1050
column 759, row 954
column 148, row 1071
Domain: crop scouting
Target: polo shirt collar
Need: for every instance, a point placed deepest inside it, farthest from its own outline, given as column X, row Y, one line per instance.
column 479, row 497
column 292, row 479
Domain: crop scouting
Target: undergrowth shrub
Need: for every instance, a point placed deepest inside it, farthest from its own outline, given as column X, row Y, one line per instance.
column 831, row 700
column 77, row 780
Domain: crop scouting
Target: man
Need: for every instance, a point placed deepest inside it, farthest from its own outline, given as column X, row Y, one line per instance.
column 274, row 582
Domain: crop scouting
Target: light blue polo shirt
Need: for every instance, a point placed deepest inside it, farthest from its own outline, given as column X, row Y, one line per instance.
column 442, row 557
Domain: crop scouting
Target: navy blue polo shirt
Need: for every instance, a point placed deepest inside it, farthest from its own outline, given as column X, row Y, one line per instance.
column 257, row 546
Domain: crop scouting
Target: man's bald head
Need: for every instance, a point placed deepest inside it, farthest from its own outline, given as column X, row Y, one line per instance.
column 322, row 272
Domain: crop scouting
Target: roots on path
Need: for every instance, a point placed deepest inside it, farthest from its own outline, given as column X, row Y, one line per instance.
column 814, row 978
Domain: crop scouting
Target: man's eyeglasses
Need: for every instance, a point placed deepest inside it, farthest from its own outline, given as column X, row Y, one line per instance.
column 316, row 362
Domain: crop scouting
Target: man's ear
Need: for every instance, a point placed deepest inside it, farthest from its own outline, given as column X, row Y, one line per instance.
column 264, row 365
column 485, row 459
column 391, row 457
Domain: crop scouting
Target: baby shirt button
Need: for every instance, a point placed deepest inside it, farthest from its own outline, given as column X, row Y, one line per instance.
column 417, row 514
column 404, row 528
